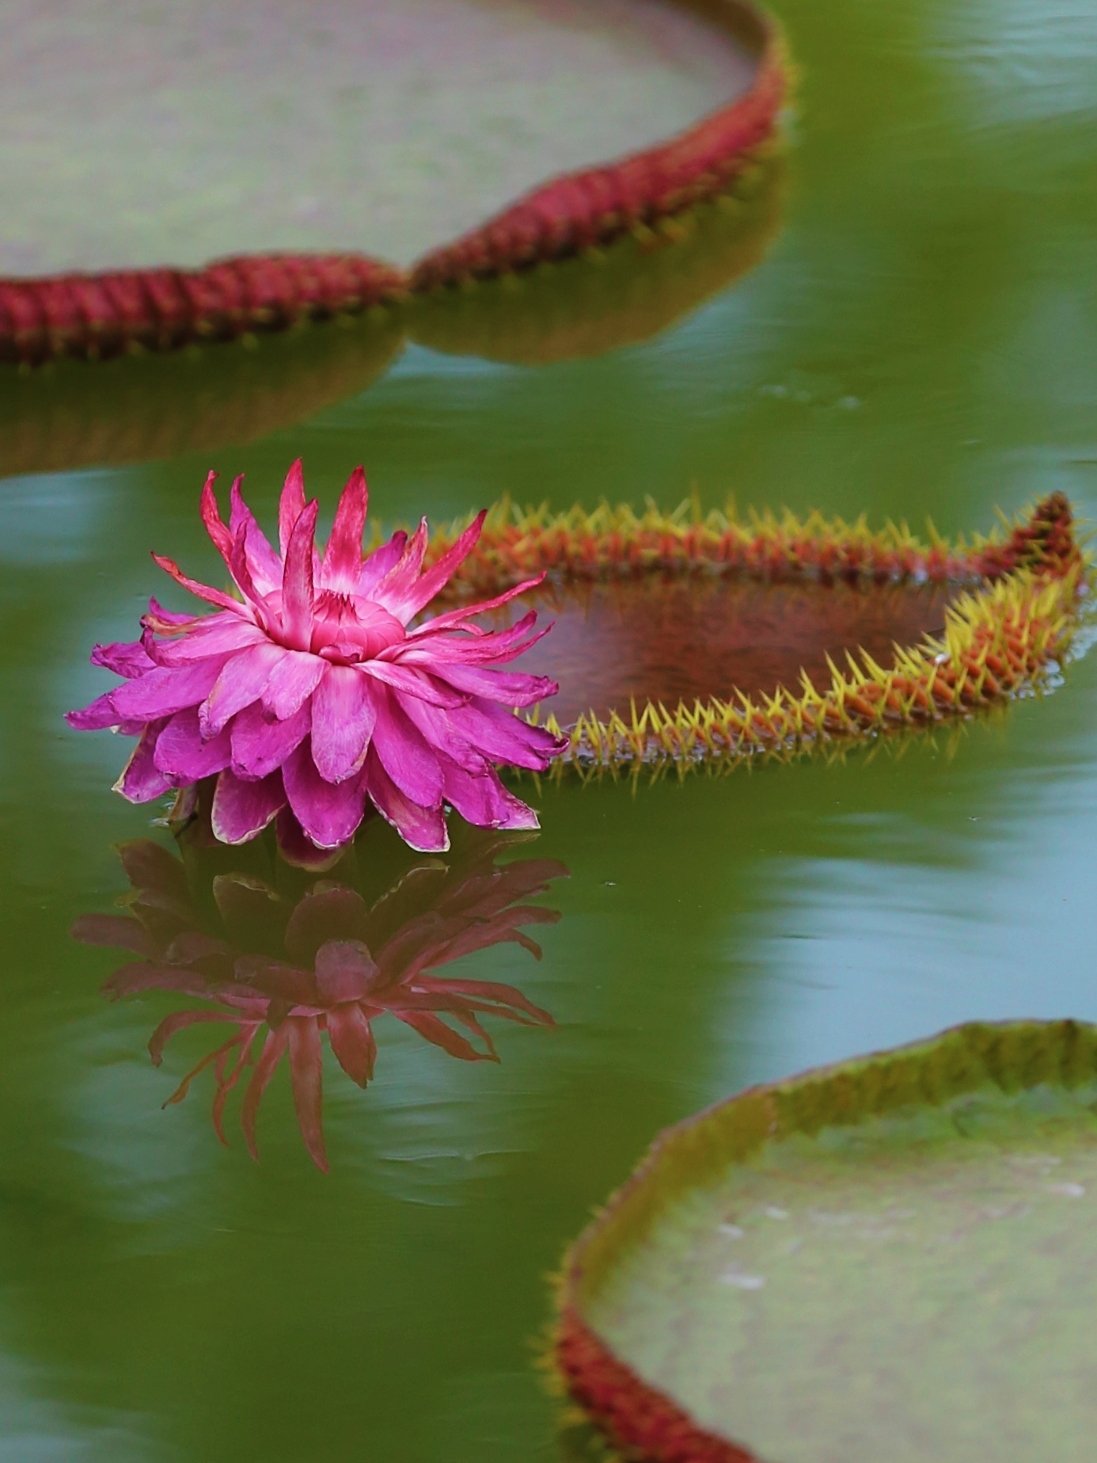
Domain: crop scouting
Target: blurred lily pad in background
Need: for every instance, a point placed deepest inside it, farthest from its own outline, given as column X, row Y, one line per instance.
column 153, row 133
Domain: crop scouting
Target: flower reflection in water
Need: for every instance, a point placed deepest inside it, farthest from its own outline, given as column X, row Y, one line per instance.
column 283, row 959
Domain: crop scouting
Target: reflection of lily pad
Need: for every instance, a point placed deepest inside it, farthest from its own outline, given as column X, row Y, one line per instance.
column 690, row 637
column 893, row 1258
column 144, row 407
column 139, row 408
column 628, row 294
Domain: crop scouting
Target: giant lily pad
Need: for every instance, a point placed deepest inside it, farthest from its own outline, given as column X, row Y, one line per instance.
column 892, row 1258
column 156, row 132
column 698, row 638
column 258, row 134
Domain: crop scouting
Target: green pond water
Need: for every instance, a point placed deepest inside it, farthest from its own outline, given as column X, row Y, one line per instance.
column 919, row 339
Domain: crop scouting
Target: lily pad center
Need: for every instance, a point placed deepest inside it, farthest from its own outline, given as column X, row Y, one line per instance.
column 673, row 639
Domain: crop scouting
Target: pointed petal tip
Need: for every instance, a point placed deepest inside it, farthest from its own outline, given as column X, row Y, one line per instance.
column 290, row 503
column 99, row 716
column 428, row 846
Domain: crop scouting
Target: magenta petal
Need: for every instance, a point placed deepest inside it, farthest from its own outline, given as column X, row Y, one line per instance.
column 297, row 579
column 165, row 690
column 440, row 573
column 423, row 829
column 413, row 682
column 400, row 580
column 442, row 731
column 405, row 754
column 184, row 755
column 211, row 517
column 291, row 504
column 464, row 612
column 292, row 682
column 240, row 568
column 343, row 716
column 203, row 591
column 264, row 565
column 156, row 611
column 329, row 813
column 508, row 688
column 243, row 679
column 217, row 635
column 260, row 743
column 502, row 737
column 468, row 644
column 376, row 565
column 343, row 555
column 96, row 717
column 141, row 779
column 125, row 658
column 242, row 809
column 482, row 799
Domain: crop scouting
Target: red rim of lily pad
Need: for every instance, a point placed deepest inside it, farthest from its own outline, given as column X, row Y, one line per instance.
column 975, row 1080
column 100, row 314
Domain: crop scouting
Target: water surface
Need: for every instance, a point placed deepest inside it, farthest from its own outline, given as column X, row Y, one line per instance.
column 921, row 338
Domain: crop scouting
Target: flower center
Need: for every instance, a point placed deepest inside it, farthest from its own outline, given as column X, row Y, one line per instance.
column 347, row 629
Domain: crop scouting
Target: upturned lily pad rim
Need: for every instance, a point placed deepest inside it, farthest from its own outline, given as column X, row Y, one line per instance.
column 648, row 1424
column 1016, row 618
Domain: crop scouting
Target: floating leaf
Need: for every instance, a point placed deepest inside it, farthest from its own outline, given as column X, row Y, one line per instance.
column 459, row 156
column 892, row 1258
column 697, row 638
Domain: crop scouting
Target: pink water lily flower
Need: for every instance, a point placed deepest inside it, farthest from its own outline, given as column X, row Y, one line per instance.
column 318, row 692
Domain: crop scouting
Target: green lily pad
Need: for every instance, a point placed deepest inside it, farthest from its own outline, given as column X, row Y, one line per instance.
column 893, row 1258
column 153, row 133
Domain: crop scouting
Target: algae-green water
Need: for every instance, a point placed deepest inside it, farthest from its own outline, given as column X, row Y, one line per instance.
column 919, row 339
